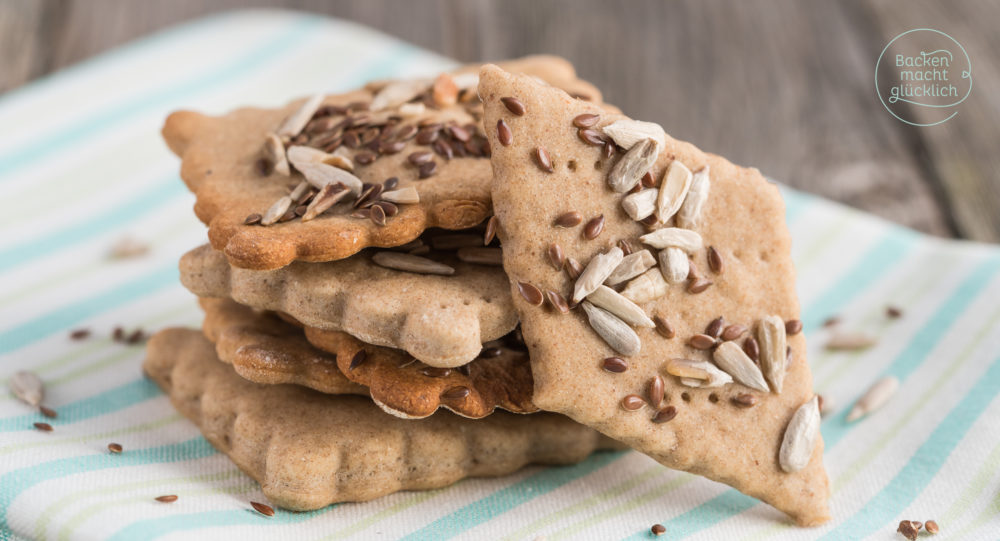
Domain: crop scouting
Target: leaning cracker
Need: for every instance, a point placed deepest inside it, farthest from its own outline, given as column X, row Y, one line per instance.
column 264, row 349
column 441, row 320
column 441, row 151
column 309, row 450
column 743, row 219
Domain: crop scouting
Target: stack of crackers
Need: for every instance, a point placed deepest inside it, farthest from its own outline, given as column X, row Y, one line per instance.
column 425, row 280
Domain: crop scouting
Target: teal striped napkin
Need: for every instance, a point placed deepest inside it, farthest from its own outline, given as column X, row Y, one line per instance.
column 82, row 166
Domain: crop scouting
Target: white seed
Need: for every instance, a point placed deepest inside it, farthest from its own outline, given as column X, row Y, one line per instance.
column 800, row 437
column 674, row 265
column 411, row 263
column 340, row 162
column 640, row 204
column 320, row 174
column 597, row 271
column 27, row 387
column 673, row 189
column 277, row 210
column 626, row 132
column 614, row 331
column 398, row 93
column 466, row 80
column 692, row 382
column 674, row 237
column 326, row 198
column 690, row 213
column 274, row 150
column 731, row 358
column 850, row 340
column 716, row 377
column 406, row 195
column 293, row 125
column 648, row 286
column 631, row 266
column 628, row 171
column 687, row 368
column 299, row 191
column 772, row 341
column 876, row 396
column 412, row 109
column 481, row 255
column 626, row 310
column 301, row 154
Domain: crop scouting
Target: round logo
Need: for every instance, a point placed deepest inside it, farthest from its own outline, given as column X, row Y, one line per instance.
column 922, row 76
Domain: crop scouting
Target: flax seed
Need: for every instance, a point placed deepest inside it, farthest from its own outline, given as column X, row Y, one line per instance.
column 115, row 448
column 734, row 331
column 428, row 169
column 358, row 359
column 513, row 105
column 44, row 427
column 744, row 400
column 170, row 498
column 435, row 372
column 455, row 393
column 664, row 415
column 491, row 230
column 530, row 293
column 751, row 348
column 714, row 329
column 569, row 219
column 557, row 301
column 632, row 402
column 542, row 160
column 263, row 509
column 586, row 120
column 714, row 260
column 593, row 228
column 616, row 365
column 556, row 257
column 663, row 326
column 591, row 137
column 656, row 387
column 504, row 135
column 701, row 341
column 253, row 219
column 793, row 326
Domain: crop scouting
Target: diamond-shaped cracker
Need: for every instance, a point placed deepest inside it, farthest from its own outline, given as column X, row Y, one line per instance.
column 308, row 449
column 603, row 363
column 225, row 163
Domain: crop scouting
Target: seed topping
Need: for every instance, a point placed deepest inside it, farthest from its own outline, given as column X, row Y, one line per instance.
column 616, row 365
column 569, row 219
column 169, row 498
column 504, row 135
column 530, row 293
column 115, row 448
column 513, row 105
column 632, row 402
column 263, row 509
column 542, row 160
column 665, row 415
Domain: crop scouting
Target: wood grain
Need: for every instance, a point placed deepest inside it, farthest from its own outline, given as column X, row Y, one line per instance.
column 788, row 89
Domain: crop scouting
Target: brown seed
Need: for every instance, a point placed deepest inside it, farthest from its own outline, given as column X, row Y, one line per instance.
column 489, row 353
column 253, row 219
column 665, row 414
column 169, row 498
column 608, row 151
column 394, row 147
column 656, row 387
column 658, row 529
column 793, row 326
column 427, row 136
column 917, row 524
column 591, row 137
column 504, row 135
column 48, row 412
column 491, row 230
column 907, row 530
column 569, row 219
column 364, row 157
column 663, row 326
column 428, row 169
column 626, row 246
column 44, row 427
column 831, row 321
column 557, row 301
column 649, row 221
column 734, row 331
column 263, row 509
column 893, row 312
column 714, row 329
column 420, row 157
column 455, row 393
column 530, row 293
column 573, row 268
column 745, row 400
column 698, row 285
column 390, row 184
column 647, row 180
column 594, row 227
column 751, row 348
column 586, row 120
column 435, row 371
column 459, row 133
column 377, row 215
column 633, row 402
column 115, row 448
column 932, row 527
column 118, row 334
column 406, row 133
column 390, row 209
column 542, row 160
column 79, row 334
column 701, row 341
column 300, row 210
column 714, row 260
column 616, row 365
column 359, row 359
column 513, row 105
column 556, row 256
column 443, row 149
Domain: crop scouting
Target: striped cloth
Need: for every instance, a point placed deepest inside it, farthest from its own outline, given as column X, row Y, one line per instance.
column 82, row 165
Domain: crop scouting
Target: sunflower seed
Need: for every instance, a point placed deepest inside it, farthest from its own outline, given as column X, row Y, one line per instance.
column 530, row 293
column 633, row 402
column 556, row 256
column 295, row 122
column 328, row 196
column 405, row 196
column 674, row 237
column 691, row 382
column 800, row 437
column 647, row 286
column 340, row 162
column 626, row 133
column 597, row 271
column 411, row 263
column 729, row 357
column 320, row 174
column 568, row 219
column 277, row 210
column 673, row 189
column 557, row 301
column 690, row 212
column 573, row 268
column 771, row 337
column 274, row 150
column 626, row 310
column 481, row 255
column 674, row 265
column 412, row 109
column 640, row 204
column 874, row 398
column 627, row 172
column 27, row 387
column 687, row 368
column 632, row 265
column 850, row 341
column 397, row 93
column 614, row 331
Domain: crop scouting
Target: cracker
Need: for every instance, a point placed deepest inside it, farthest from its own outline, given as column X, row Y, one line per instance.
column 441, row 320
column 264, row 349
column 309, row 450
column 404, row 387
column 693, row 429
column 220, row 156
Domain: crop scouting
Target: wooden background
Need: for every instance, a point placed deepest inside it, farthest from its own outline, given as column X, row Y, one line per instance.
column 786, row 86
